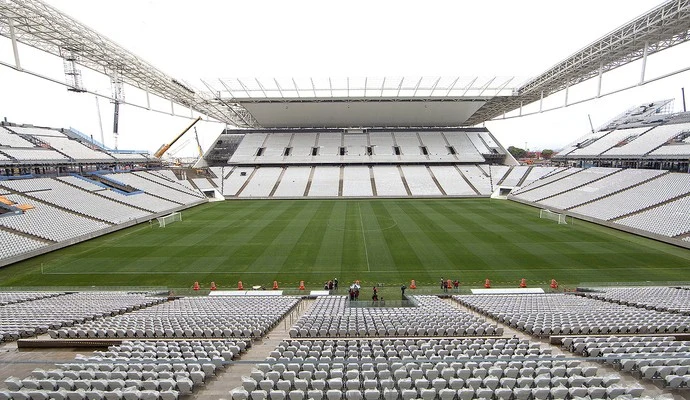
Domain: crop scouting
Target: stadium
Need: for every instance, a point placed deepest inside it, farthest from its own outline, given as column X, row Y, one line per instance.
column 357, row 238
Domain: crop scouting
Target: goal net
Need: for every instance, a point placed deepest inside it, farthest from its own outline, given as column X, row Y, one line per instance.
column 554, row 216
column 169, row 219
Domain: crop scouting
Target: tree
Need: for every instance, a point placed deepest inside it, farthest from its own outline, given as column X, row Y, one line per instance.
column 517, row 152
column 547, row 154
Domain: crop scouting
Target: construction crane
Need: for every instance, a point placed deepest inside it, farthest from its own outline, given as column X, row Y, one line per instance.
column 161, row 151
column 198, row 144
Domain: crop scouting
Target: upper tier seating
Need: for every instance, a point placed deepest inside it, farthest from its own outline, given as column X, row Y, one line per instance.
column 606, row 142
column 75, row 150
column 373, row 147
column 34, row 154
column 648, row 141
column 9, row 139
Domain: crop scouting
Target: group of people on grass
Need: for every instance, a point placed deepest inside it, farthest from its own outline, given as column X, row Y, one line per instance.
column 331, row 285
column 447, row 285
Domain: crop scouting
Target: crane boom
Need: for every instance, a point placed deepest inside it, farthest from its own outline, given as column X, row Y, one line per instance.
column 159, row 153
column 198, row 144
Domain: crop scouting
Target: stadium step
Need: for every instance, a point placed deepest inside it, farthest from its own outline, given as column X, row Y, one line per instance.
column 340, row 182
column 372, row 182
column 311, row 177
column 505, row 176
column 280, row 178
column 404, row 181
column 220, row 387
column 524, row 176
column 433, row 178
column 246, row 183
column 467, row 180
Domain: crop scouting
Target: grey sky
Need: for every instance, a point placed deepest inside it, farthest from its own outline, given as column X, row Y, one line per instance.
column 211, row 39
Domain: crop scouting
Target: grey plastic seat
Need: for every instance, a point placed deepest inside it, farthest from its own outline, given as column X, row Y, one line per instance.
column 465, row 394
column 259, row 394
column 296, row 395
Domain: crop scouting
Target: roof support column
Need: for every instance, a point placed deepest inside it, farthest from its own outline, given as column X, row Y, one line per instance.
column 541, row 101
column 148, row 99
column 644, row 62
column 601, row 75
column 521, row 108
column 15, row 49
column 566, row 96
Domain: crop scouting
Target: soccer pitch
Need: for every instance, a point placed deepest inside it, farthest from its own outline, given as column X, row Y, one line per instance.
column 380, row 240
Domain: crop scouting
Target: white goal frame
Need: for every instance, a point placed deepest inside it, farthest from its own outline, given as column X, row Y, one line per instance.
column 554, row 216
column 169, row 219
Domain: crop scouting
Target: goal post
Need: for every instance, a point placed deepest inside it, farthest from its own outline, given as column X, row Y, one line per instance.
column 553, row 216
column 169, row 219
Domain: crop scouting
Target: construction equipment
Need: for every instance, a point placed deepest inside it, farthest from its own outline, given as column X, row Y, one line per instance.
column 161, row 151
column 198, row 144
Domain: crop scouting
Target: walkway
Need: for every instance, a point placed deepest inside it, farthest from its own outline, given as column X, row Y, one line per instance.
column 219, row 388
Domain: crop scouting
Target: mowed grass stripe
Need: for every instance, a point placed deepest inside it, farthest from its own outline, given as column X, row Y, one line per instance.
column 424, row 247
column 258, row 241
column 280, row 247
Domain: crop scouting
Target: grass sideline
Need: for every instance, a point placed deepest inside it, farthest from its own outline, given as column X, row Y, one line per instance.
column 379, row 240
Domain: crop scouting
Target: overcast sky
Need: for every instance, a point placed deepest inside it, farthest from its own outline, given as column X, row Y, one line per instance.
column 210, row 39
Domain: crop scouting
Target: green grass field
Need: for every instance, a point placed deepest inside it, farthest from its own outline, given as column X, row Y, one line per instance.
column 389, row 241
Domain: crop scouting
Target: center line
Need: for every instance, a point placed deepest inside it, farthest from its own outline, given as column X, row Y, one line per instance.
column 364, row 238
